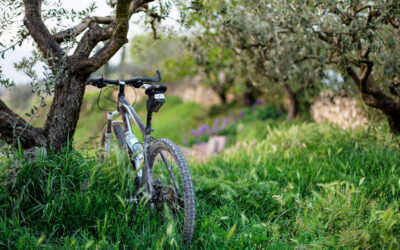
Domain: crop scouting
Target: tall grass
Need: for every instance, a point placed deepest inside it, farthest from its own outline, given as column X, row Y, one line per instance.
column 301, row 186
column 305, row 186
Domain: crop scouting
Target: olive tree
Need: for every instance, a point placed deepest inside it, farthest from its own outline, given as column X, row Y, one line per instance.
column 268, row 56
column 361, row 39
column 273, row 58
column 71, row 67
column 217, row 65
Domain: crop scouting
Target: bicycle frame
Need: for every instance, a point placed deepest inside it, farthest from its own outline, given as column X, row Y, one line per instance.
column 127, row 113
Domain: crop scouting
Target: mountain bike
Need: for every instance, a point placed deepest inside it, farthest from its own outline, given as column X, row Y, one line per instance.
column 162, row 171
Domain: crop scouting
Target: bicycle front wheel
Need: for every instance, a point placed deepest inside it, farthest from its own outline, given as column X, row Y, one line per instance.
column 119, row 137
column 172, row 185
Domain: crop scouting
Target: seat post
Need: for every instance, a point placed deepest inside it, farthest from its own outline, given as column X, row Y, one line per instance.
column 148, row 122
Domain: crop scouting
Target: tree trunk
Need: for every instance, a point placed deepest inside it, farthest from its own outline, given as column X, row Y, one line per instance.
column 394, row 122
column 61, row 121
column 223, row 97
column 64, row 112
column 251, row 93
column 293, row 103
column 374, row 97
column 221, row 92
column 293, row 108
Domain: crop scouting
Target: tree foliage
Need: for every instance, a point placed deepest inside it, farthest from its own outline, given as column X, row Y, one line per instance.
column 361, row 39
column 290, row 45
column 265, row 55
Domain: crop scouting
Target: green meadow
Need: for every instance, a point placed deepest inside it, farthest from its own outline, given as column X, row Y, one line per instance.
column 282, row 185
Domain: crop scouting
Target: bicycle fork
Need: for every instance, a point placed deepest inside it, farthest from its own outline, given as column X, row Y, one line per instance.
column 108, row 133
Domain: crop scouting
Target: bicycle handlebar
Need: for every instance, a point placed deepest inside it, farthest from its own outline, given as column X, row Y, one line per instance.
column 134, row 82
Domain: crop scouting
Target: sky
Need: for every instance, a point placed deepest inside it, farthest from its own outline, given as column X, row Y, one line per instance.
column 25, row 51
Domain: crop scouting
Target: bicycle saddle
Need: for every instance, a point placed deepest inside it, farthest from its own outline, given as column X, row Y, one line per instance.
column 156, row 89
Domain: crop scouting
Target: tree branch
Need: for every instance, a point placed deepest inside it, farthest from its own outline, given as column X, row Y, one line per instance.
column 36, row 28
column 367, row 6
column 372, row 95
column 394, row 23
column 124, row 10
column 91, row 38
column 154, row 18
column 86, row 22
column 395, row 88
column 323, row 36
column 305, row 58
column 12, row 127
column 82, row 26
column 371, row 14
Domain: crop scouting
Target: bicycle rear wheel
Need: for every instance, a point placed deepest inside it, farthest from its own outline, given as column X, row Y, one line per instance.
column 172, row 185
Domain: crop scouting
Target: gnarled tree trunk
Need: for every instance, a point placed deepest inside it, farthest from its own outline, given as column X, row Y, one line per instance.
column 374, row 97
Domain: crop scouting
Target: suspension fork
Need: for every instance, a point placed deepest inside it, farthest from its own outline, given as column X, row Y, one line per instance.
column 108, row 134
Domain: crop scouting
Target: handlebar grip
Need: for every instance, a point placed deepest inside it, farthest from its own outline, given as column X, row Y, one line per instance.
column 96, row 82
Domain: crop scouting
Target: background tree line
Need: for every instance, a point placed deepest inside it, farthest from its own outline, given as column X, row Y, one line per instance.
column 291, row 47
column 287, row 49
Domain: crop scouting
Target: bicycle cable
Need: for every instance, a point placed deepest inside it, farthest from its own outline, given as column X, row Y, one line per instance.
column 98, row 101
column 111, row 100
column 134, row 90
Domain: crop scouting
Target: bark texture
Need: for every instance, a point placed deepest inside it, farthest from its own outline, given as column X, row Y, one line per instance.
column 64, row 112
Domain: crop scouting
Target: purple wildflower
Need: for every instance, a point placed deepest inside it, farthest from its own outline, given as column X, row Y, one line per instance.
column 226, row 121
column 231, row 113
column 241, row 114
column 194, row 133
column 203, row 129
column 216, row 123
column 259, row 102
column 184, row 142
column 185, row 136
column 213, row 131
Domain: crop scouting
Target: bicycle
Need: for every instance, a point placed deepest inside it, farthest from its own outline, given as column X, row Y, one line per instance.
column 162, row 171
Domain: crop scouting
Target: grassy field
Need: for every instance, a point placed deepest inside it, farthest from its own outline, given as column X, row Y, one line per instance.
column 174, row 116
column 300, row 186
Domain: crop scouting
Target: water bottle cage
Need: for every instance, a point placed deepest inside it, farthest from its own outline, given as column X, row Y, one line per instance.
column 155, row 101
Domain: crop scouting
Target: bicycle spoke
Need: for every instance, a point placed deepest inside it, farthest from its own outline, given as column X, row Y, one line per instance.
column 171, row 174
column 172, row 183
